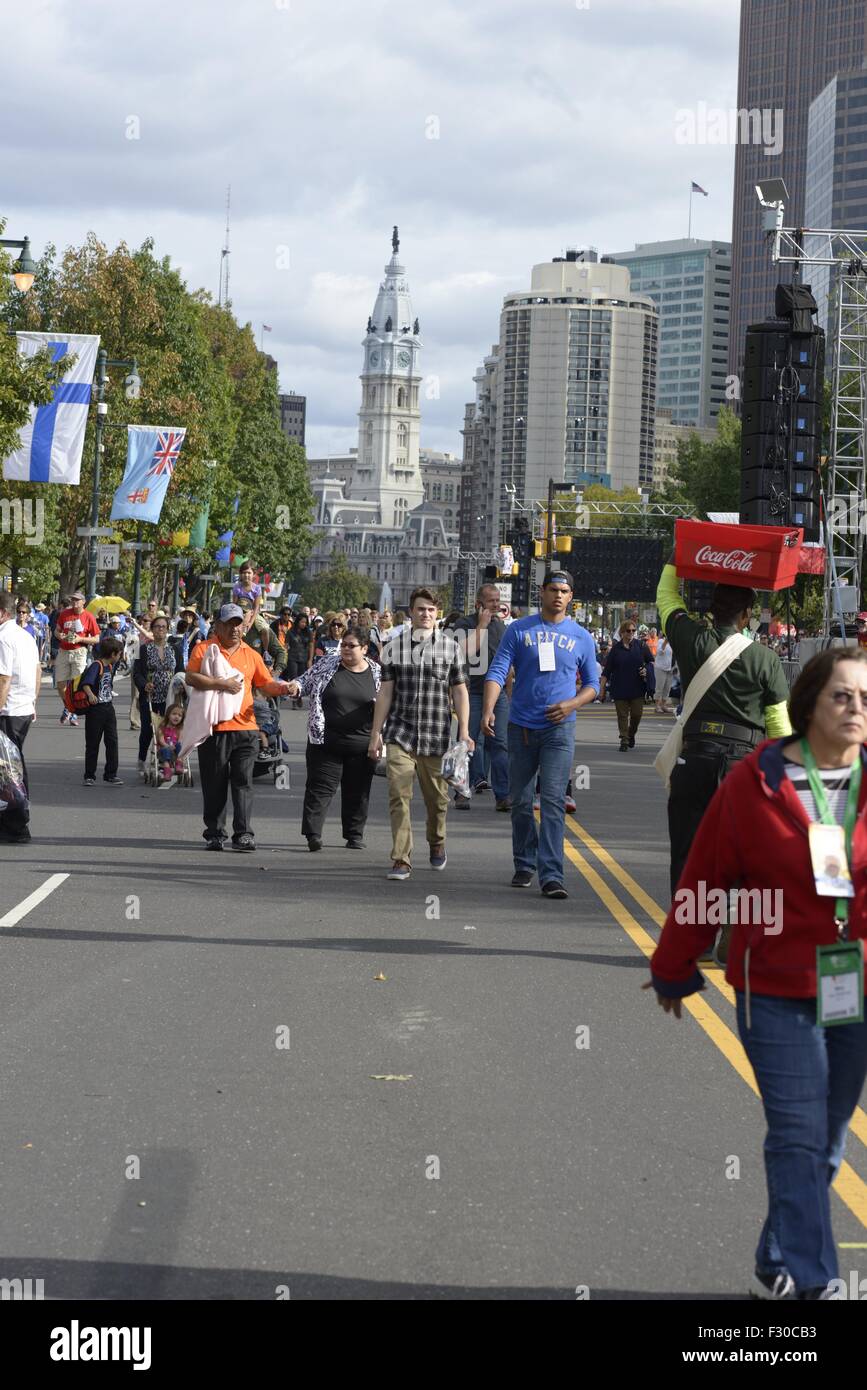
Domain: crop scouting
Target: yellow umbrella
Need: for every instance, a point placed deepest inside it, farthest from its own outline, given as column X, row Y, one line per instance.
column 112, row 603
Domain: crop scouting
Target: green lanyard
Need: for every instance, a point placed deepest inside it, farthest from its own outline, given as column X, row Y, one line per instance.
column 841, row 905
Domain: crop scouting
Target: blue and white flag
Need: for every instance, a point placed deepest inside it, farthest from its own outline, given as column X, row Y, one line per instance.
column 50, row 445
column 151, row 454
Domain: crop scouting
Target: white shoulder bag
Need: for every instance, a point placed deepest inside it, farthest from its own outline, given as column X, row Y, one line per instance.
column 700, row 684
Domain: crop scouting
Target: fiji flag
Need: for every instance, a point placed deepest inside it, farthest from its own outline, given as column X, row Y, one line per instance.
column 151, row 454
column 50, row 445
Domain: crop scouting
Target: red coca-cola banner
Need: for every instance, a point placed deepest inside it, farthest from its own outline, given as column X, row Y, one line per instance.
column 754, row 557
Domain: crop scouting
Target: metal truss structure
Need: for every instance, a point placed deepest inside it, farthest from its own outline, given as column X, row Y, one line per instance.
column 844, row 252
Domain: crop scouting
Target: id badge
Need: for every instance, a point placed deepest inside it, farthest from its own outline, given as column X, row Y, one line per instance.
column 546, row 657
column 828, row 856
column 840, row 983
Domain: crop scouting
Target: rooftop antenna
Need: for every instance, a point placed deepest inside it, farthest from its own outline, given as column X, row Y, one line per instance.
column 223, row 293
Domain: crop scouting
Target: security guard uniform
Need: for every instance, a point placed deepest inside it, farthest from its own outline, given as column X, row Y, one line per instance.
column 746, row 704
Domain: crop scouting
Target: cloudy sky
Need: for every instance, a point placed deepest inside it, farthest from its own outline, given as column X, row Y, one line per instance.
column 494, row 132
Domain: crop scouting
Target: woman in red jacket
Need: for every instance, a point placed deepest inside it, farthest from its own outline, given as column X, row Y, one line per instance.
column 786, row 829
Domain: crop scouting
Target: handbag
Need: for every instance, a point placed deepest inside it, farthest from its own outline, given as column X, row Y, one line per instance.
column 719, row 661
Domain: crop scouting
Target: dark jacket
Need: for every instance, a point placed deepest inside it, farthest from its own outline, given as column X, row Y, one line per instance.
column 622, row 670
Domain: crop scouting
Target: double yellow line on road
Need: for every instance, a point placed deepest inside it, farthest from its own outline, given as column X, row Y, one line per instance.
column 848, row 1186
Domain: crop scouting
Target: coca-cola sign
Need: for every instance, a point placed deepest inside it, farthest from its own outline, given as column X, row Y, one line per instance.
column 738, row 560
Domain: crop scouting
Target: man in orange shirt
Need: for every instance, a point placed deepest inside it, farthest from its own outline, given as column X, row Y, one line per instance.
column 226, row 758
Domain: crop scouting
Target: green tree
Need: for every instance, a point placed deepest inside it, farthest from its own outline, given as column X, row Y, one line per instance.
column 336, row 587
column 706, row 476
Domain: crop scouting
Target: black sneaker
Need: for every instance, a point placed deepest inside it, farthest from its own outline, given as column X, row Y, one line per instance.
column 482, row 786
column 245, row 844
column 504, row 803
column 777, row 1287
column 554, row 890
column 624, row 746
column 632, row 740
column 215, row 844
column 522, row 878
column 462, row 803
column 113, row 781
column 313, row 843
column 821, row 1295
column 355, row 844
column 90, row 781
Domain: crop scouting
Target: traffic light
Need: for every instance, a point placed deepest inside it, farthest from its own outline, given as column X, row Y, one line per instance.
column 521, row 541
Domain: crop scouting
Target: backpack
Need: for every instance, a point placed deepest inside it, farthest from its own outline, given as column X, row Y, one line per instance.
column 75, row 694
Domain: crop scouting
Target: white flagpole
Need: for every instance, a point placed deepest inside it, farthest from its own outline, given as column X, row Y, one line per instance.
column 689, row 231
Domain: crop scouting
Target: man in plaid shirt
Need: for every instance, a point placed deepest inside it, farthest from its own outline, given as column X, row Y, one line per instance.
column 423, row 672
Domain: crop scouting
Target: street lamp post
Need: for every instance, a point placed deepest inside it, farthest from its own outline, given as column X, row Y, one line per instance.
column 102, row 362
column 24, row 269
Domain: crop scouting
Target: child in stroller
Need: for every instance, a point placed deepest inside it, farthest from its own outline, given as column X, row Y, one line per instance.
column 272, row 745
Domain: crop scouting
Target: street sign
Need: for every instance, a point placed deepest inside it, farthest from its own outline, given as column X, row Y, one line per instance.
column 108, row 557
column 136, row 545
column 94, row 530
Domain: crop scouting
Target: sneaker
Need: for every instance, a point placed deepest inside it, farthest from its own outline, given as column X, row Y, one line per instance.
column 482, row 786
column 821, row 1295
column 399, row 870
column 90, row 781
column 438, row 857
column 245, row 844
column 504, row 803
column 554, row 890
column 632, row 740
column 522, row 878
column 462, row 803
column 355, row 844
column 313, row 843
column 772, row 1286
column 214, row 844
column 624, row 746
column 113, row 781
column 64, row 718
column 73, row 721
column 569, row 804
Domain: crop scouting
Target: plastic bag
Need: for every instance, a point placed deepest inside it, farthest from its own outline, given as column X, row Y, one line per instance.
column 13, row 794
column 455, row 768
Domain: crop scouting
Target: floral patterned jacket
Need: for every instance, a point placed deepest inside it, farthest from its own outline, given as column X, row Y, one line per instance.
column 314, row 681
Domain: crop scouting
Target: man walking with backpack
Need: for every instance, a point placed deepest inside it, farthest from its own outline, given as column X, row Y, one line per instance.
column 76, row 631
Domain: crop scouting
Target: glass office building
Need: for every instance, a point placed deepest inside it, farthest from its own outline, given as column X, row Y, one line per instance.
column 789, row 52
column 690, row 281
column 835, row 194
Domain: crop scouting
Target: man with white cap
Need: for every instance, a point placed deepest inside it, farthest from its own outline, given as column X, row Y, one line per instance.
column 20, row 678
column 226, row 758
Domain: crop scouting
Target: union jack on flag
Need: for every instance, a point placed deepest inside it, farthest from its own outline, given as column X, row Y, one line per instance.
column 166, row 453
column 151, row 454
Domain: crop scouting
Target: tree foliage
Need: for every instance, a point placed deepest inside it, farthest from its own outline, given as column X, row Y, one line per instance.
column 337, row 587
column 706, row 475
column 199, row 368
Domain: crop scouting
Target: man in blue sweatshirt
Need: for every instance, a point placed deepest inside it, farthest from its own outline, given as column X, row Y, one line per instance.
column 548, row 652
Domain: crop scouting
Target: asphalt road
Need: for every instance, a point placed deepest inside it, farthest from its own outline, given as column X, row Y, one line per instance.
column 143, row 1000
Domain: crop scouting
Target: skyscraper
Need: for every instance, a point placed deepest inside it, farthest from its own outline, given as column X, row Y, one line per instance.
column 789, row 51
column 836, row 179
column 576, row 384
column 690, row 281
column 293, row 414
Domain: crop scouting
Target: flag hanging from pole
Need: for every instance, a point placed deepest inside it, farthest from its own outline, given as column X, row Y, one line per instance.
column 697, row 188
column 51, row 443
column 151, row 454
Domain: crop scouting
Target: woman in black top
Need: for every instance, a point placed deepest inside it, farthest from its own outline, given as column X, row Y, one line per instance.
column 342, row 687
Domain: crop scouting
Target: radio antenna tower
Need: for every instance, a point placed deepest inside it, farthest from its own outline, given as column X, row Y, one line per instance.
column 223, row 293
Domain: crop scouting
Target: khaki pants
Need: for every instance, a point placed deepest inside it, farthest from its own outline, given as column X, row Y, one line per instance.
column 629, row 714
column 402, row 768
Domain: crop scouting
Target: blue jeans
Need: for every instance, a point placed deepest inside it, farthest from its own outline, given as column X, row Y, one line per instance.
column 547, row 752
column 810, row 1081
column 496, row 749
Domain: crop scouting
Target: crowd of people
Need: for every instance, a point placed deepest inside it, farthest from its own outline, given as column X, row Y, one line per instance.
column 765, row 792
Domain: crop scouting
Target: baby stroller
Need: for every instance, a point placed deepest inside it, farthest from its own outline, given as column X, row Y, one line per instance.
column 178, row 694
column 270, row 757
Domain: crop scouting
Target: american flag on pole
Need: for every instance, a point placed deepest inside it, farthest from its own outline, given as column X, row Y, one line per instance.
column 151, row 455
column 697, row 188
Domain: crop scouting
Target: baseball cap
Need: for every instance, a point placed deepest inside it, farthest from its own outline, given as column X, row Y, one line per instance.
column 77, row 594
column 557, row 577
column 229, row 612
